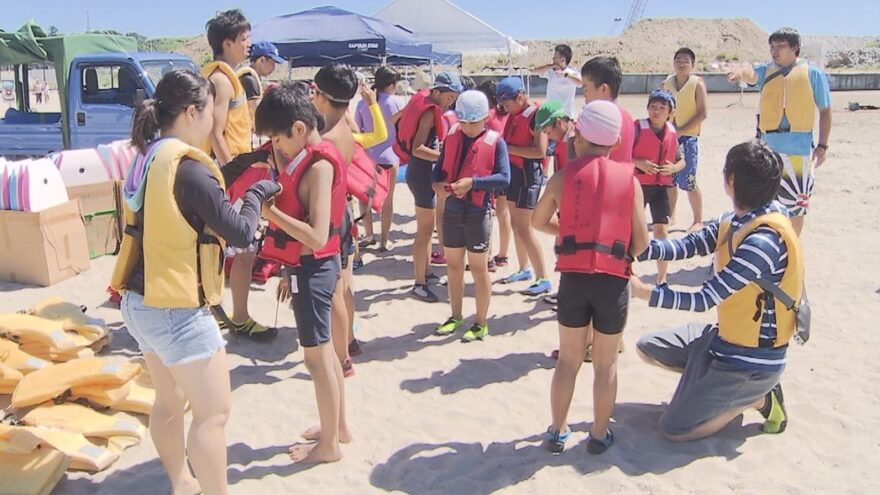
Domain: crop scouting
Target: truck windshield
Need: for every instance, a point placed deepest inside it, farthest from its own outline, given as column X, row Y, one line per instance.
column 155, row 69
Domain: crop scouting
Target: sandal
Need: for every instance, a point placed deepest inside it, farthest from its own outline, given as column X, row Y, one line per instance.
column 596, row 447
column 555, row 440
column 365, row 243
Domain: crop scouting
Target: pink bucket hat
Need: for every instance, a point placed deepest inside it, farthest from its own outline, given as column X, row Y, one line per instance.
column 599, row 123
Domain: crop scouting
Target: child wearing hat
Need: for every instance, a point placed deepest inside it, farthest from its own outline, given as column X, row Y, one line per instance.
column 472, row 164
column 657, row 157
column 552, row 119
column 527, row 149
column 599, row 228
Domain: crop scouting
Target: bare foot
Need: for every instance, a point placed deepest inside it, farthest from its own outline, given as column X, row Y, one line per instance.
column 695, row 227
column 187, row 486
column 314, row 453
column 313, row 434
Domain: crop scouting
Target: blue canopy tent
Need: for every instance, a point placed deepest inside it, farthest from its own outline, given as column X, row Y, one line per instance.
column 315, row 37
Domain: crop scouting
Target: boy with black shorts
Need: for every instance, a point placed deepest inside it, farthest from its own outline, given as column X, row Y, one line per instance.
column 527, row 148
column 657, row 157
column 472, row 164
column 599, row 228
column 304, row 229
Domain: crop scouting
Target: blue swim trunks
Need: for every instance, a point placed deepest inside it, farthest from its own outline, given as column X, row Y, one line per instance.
column 686, row 178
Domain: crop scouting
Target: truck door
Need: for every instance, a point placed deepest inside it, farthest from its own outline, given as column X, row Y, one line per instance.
column 102, row 103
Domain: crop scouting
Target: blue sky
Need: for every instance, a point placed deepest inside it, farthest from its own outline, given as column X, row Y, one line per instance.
column 520, row 19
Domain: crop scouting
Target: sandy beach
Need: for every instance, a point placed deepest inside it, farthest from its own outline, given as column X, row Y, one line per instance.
column 434, row 415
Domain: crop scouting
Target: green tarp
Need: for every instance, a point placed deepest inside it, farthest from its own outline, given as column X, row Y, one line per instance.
column 30, row 45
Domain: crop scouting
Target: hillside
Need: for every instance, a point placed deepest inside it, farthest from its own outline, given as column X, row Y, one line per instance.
column 648, row 46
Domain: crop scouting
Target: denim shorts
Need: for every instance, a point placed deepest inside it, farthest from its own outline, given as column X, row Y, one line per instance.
column 176, row 335
column 686, row 178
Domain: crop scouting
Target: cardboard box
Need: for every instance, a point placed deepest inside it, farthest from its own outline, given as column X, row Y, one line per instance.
column 100, row 206
column 43, row 247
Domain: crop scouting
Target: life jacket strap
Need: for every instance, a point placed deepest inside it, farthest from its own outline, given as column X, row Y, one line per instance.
column 570, row 245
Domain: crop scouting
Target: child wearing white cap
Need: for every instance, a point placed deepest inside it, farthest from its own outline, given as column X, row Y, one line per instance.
column 599, row 229
column 472, row 164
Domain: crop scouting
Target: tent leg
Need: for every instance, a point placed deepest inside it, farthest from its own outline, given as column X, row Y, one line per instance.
column 432, row 72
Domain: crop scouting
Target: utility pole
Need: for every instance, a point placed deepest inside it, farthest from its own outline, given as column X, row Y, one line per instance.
column 88, row 24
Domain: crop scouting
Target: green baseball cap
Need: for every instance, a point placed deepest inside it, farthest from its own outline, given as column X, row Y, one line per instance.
column 548, row 113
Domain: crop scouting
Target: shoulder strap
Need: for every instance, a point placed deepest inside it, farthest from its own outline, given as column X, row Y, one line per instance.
column 764, row 284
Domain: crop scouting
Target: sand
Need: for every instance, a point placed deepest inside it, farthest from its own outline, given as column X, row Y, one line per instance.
column 433, row 415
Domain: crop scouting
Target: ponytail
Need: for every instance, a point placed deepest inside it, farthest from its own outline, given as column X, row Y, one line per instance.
column 176, row 91
column 145, row 125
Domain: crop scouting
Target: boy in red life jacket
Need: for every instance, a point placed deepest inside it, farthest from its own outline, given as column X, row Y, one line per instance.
column 601, row 78
column 334, row 87
column 553, row 121
column 419, row 134
column 599, row 229
column 309, row 211
column 472, row 164
column 657, row 157
column 527, row 148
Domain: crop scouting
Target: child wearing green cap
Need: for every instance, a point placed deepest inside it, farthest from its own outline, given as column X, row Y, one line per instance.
column 553, row 120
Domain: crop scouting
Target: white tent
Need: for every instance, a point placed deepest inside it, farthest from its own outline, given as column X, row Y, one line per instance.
column 448, row 27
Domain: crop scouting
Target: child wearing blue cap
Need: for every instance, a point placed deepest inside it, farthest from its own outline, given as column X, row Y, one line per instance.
column 657, row 157
column 420, row 131
column 527, row 148
column 262, row 61
column 472, row 164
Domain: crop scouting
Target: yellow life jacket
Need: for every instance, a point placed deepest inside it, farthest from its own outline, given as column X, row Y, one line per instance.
column 238, row 119
column 736, row 314
column 182, row 268
column 788, row 95
column 685, row 104
column 53, row 381
column 247, row 69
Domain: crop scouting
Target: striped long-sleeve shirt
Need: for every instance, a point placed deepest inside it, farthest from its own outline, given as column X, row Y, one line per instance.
column 762, row 254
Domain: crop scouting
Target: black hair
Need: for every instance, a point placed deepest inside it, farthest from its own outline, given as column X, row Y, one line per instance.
column 284, row 105
column 565, row 51
column 604, row 70
column 176, row 91
column 488, row 88
column 339, row 82
column 685, row 51
column 385, row 76
column 226, row 25
column 756, row 170
column 254, row 58
column 468, row 82
column 788, row 35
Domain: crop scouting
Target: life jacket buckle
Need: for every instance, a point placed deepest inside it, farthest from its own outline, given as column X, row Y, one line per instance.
column 618, row 250
column 568, row 245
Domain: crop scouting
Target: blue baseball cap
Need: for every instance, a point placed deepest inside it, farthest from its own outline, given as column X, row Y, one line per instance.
column 266, row 49
column 449, row 81
column 508, row 88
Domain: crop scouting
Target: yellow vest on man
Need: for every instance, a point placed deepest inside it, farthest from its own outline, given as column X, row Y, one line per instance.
column 182, row 268
column 736, row 314
column 685, row 104
column 237, row 132
column 788, row 95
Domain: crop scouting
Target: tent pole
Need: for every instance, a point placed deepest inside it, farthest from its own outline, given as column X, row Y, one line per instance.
column 432, row 71
column 290, row 70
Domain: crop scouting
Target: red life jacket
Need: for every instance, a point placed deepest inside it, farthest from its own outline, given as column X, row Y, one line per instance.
column 560, row 155
column 496, row 121
column 449, row 120
column 623, row 152
column 279, row 245
column 367, row 181
column 479, row 162
column 518, row 131
column 649, row 147
column 249, row 177
column 595, row 217
column 408, row 124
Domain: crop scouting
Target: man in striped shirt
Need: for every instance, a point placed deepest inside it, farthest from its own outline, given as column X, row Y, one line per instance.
column 737, row 363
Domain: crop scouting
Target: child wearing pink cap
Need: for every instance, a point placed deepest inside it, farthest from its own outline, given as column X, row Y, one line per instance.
column 599, row 229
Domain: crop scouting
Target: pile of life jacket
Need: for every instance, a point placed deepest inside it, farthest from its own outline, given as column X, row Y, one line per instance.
column 69, row 409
